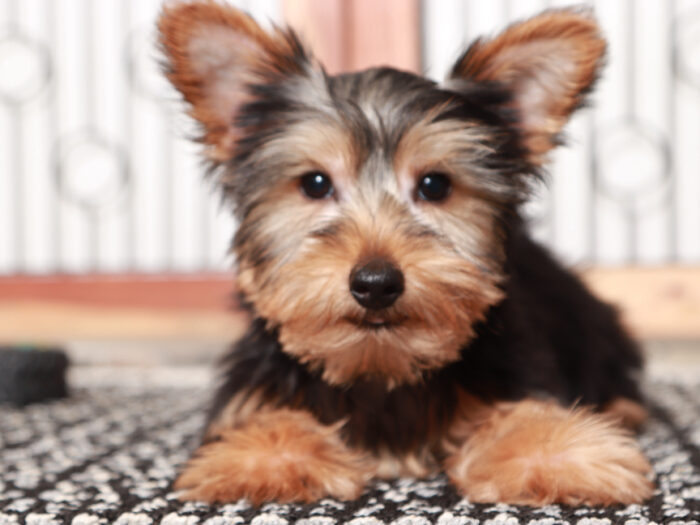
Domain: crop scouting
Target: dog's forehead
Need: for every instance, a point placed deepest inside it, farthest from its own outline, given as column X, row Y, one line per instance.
column 376, row 108
column 380, row 106
column 383, row 101
column 379, row 85
column 400, row 122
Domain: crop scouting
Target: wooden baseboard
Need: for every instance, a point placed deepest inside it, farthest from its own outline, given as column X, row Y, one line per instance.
column 204, row 292
column 656, row 303
column 60, row 308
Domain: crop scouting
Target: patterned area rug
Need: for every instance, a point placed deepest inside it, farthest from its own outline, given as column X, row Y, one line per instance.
column 109, row 455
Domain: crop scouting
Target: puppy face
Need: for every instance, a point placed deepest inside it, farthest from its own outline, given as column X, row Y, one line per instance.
column 372, row 205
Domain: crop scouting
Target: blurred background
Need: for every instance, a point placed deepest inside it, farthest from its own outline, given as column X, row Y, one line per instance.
column 113, row 244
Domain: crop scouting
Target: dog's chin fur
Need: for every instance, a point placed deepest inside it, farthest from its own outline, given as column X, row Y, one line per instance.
column 345, row 353
column 324, row 393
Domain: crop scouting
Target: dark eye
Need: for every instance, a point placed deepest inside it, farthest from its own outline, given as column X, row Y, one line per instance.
column 434, row 187
column 316, row 185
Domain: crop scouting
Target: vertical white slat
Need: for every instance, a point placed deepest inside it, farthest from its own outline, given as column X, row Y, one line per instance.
column 7, row 226
column 611, row 232
column 8, row 159
column 70, row 89
column 570, row 194
column 33, row 140
column 652, row 83
column 687, row 135
column 688, row 173
column 110, row 82
column 443, row 36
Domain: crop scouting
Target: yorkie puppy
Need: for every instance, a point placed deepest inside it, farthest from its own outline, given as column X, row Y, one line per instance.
column 404, row 322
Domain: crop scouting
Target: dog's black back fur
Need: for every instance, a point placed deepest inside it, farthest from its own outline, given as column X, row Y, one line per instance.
column 550, row 337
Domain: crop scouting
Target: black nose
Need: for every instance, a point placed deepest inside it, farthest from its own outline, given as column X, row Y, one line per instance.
column 376, row 284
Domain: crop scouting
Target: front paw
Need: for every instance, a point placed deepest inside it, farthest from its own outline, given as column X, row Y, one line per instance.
column 282, row 455
column 537, row 453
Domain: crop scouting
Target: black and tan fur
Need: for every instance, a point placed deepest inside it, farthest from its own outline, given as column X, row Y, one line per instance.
column 470, row 370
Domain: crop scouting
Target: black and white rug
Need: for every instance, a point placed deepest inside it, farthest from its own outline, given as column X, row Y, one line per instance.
column 109, row 455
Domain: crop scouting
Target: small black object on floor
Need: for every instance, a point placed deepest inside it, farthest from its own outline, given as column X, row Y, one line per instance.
column 32, row 374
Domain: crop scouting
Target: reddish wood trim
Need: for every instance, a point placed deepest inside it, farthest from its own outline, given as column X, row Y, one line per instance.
column 384, row 33
column 661, row 302
column 209, row 292
column 656, row 303
column 323, row 28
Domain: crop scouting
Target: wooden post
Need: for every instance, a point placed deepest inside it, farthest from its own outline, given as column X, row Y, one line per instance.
column 349, row 35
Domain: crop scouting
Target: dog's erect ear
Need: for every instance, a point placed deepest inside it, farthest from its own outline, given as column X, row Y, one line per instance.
column 548, row 63
column 214, row 54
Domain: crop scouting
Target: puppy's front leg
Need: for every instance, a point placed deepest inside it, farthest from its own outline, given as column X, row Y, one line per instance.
column 282, row 455
column 536, row 453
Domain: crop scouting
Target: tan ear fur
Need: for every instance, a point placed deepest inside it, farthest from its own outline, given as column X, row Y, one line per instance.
column 548, row 62
column 213, row 52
